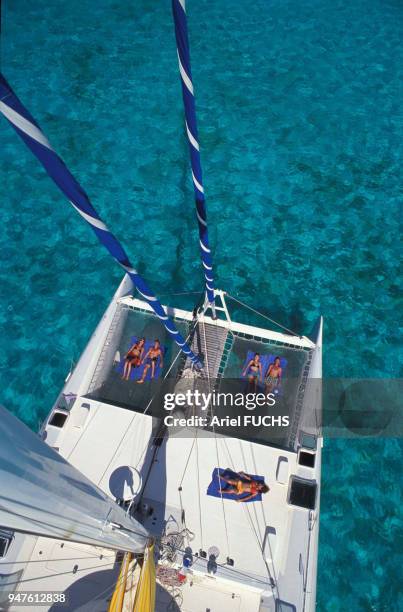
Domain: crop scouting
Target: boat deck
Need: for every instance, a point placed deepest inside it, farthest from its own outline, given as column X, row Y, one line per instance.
column 265, row 550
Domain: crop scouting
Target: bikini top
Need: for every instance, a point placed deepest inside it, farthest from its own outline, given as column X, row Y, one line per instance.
column 253, row 487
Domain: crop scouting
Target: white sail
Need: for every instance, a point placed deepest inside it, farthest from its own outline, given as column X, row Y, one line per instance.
column 42, row 494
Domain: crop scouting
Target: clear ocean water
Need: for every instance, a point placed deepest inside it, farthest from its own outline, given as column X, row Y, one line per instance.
column 300, row 111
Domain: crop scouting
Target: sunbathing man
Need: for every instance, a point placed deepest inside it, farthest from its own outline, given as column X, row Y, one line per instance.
column 254, row 370
column 133, row 358
column 273, row 376
column 239, row 486
column 151, row 360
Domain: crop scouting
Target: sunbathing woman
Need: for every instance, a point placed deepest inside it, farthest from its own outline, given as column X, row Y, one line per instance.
column 239, row 486
column 254, row 370
column 273, row 376
column 151, row 360
column 133, row 358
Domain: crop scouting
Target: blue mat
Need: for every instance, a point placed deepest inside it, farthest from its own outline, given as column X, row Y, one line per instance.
column 136, row 373
column 216, row 484
column 264, row 362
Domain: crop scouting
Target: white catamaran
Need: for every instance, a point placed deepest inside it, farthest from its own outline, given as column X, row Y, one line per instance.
column 111, row 507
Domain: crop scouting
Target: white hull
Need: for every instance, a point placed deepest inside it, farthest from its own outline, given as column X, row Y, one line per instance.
column 273, row 544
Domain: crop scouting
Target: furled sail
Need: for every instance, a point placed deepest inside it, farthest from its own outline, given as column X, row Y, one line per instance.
column 144, row 600
column 42, row 494
column 31, row 134
column 182, row 43
column 118, row 596
column 143, row 589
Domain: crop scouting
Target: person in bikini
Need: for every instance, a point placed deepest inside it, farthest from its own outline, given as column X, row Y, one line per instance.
column 243, row 484
column 133, row 358
column 151, row 360
column 254, row 370
column 273, row 376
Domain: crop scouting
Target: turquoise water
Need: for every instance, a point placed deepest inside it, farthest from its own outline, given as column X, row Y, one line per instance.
column 300, row 109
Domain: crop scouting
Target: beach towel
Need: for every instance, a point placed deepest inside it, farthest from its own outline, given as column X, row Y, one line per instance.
column 136, row 373
column 216, row 484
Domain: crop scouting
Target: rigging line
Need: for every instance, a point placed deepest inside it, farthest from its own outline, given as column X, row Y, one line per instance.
column 253, row 506
column 216, row 445
column 187, row 462
column 293, row 333
column 265, row 522
column 222, row 498
column 205, row 352
column 198, row 490
column 259, row 538
column 195, row 441
column 257, row 535
column 250, row 520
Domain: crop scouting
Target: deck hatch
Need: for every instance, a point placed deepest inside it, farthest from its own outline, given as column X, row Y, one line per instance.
column 302, row 493
column 5, row 541
column 306, row 459
column 58, row 419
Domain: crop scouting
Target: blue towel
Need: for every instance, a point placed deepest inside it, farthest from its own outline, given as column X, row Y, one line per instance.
column 216, row 484
column 264, row 362
column 136, row 373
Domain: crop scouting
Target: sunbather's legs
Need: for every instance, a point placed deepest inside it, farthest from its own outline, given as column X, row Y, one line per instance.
column 127, row 370
column 124, row 371
column 252, row 380
column 146, row 368
column 152, row 369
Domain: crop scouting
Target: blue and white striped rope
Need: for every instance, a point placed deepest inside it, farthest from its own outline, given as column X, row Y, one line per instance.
column 182, row 44
column 32, row 135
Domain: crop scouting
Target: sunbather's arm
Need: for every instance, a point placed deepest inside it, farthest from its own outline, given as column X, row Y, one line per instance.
column 161, row 360
column 260, row 372
column 247, row 367
column 130, row 350
column 245, row 475
column 247, row 498
column 147, row 354
column 227, row 480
